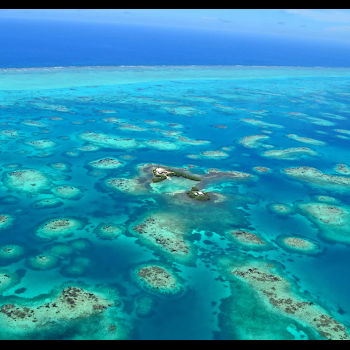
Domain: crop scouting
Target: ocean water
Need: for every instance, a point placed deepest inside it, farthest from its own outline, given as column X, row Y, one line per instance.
column 170, row 106
column 68, row 43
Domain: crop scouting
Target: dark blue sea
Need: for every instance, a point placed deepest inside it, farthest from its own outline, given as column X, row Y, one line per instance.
column 67, row 43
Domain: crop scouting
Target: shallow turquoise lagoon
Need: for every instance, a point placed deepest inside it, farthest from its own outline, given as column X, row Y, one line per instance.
column 65, row 223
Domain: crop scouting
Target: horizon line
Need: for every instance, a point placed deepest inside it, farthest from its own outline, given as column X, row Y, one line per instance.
column 165, row 65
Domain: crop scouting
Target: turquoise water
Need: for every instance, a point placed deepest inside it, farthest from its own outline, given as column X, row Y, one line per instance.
column 211, row 305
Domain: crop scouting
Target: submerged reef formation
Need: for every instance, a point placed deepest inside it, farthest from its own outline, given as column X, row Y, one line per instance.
column 8, row 280
column 41, row 144
column 106, row 163
column 108, row 231
column 298, row 245
column 343, row 131
column 43, row 262
column 166, row 233
column 332, row 116
column 96, row 173
column 158, row 279
column 71, row 305
column 145, row 306
column 136, row 185
column 319, row 121
column 73, row 270
column 277, row 299
column 9, row 200
column 67, row 192
column 47, row 203
column 175, row 125
column 107, row 111
column 44, row 155
column 55, row 118
column 306, row 140
column 342, row 137
column 261, row 169
column 280, row 209
column 79, row 266
column 61, row 250
column 71, row 154
column 332, row 220
column 11, row 253
column 327, row 199
column 183, row 110
column 253, row 141
column 12, row 166
column 52, row 107
column 313, row 120
column 108, row 141
column 219, row 126
column 89, row 148
column 218, row 154
column 193, row 156
column 213, row 175
column 10, row 133
column 28, row 180
column 127, row 156
column 247, row 239
column 80, row 245
column 214, row 154
column 162, row 145
column 132, row 186
column 130, row 127
column 60, row 166
column 342, row 169
column 6, row 221
column 55, row 228
column 261, row 124
column 111, row 120
column 290, row 153
column 186, row 140
column 314, row 177
column 34, row 123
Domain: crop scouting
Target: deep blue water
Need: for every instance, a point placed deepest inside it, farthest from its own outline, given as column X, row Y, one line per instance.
column 66, row 43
